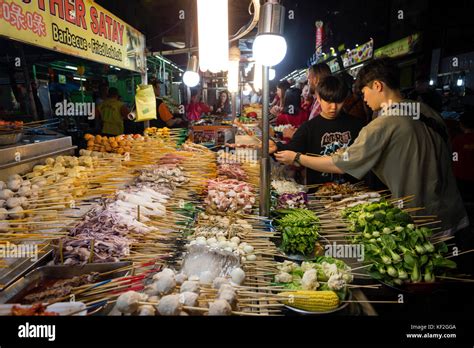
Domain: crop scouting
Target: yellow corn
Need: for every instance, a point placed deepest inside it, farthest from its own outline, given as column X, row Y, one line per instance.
column 314, row 301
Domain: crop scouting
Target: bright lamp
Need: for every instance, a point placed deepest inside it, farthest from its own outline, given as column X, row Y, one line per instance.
column 269, row 47
column 213, row 33
column 233, row 73
column 191, row 76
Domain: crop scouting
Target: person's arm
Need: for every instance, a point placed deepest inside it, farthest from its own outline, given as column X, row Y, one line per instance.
column 124, row 111
column 165, row 115
column 356, row 160
column 321, row 164
column 298, row 142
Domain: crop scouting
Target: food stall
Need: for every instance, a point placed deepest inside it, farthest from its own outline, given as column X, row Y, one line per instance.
column 27, row 144
column 154, row 225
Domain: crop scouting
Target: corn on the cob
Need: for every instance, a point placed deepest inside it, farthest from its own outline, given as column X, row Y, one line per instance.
column 314, row 301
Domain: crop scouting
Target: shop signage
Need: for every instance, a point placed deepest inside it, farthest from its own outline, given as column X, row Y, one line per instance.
column 62, row 79
column 398, row 48
column 80, row 28
column 334, row 65
column 358, row 55
column 319, row 37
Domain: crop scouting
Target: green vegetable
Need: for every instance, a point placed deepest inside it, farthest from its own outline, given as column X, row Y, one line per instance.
column 395, row 257
column 409, row 259
column 415, row 273
column 423, row 259
column 299, row 229
column 392, row 272
column 429, row 247
column 393, row 243
column 419, row 249
column 386, row 260
column 444, row 263
column 398, row 281
column 402, row 274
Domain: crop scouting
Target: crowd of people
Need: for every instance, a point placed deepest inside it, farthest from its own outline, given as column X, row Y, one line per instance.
column 350, row 131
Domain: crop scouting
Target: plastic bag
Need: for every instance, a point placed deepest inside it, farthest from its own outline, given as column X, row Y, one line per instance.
column 145, row 102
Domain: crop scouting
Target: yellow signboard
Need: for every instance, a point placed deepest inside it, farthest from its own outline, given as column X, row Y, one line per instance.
column 399, row 48
column 75, row 27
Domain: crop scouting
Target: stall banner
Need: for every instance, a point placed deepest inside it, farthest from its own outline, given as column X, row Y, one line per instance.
column 79, row 28
column 319, row 37
column 398, row 48
column 358, row 55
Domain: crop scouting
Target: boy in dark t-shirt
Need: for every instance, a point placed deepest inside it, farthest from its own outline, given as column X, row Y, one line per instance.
column 330, row 131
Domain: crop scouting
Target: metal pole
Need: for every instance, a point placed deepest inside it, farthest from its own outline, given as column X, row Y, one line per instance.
column 265, row 161
column 234, row 105
column 144, row 76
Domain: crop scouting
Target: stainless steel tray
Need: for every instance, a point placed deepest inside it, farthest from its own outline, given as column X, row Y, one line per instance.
column 10, row 138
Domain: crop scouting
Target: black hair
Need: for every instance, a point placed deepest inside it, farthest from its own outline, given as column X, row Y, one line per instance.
column 332, row 89
column 284, row 85
column 227, row 101
column 292, row 101
column 321, row 70
column 382, row 69
column 348, row 80
column 113, row 92
column 194, row 92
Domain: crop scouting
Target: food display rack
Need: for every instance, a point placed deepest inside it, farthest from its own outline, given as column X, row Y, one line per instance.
column 20, row 158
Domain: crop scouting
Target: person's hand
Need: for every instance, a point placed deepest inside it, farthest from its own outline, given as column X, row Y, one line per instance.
column 272, row 147
column 276, row 110
column 289, row 132
column 285, row 157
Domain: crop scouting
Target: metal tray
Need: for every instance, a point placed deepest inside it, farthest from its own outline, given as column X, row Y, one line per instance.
column 14, row 292
column 10, row 138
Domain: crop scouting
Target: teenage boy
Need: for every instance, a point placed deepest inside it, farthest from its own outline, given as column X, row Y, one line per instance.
column 330, row 131
column 406, row 147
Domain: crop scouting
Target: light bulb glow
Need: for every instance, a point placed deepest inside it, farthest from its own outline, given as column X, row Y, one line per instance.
column 257, row 77
column 233, row 76
column 213, row 32
column 459, row 82
column 191, row 78
column 269, row 49
column 272, row 74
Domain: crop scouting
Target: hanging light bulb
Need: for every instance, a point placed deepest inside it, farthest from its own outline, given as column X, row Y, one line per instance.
column 213, row 32
column 269, row 47
column 191, row 76
column 247, row 89
column 233, row 73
